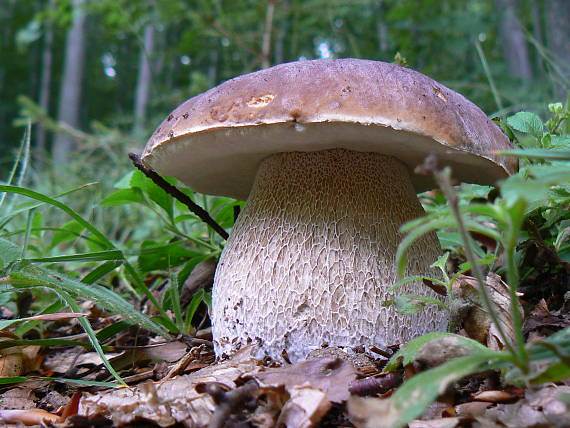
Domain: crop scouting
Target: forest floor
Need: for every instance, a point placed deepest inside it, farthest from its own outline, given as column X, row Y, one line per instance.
column 180, row 383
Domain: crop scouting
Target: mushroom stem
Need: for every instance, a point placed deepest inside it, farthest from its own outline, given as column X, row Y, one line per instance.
column 312, row 255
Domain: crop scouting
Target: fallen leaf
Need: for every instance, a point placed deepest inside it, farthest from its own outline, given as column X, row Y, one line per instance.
column 202, row 276
column 476, row 322
column 332, row 376
column 304, row 409
column 20, row 397
column 545, row 407
column 436, row 423
column 27, row 417
column 541, row 323
column 472, row 409
column 368, row 412
column 173, row 401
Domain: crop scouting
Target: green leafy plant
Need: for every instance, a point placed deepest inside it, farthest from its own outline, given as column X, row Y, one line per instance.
column 540, row 191
column 32, row 260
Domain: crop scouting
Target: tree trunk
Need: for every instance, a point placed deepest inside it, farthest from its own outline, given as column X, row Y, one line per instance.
column 45, row 83
column 537, row 31
column 513, row 40
column 381, row 27
column 266, row 38
column 72, row 82
column 144, row 78
column 282, row 29
column 213, row 66
column 558, row 18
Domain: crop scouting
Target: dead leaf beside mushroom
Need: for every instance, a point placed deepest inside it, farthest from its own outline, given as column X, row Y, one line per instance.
column 474, row 319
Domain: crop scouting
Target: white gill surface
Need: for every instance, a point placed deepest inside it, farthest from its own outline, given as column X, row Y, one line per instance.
column 312, row 255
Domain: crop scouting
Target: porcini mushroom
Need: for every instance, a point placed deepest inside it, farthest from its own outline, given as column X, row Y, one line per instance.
column 323, row 151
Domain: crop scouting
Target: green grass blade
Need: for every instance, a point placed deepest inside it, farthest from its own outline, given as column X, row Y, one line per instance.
column 95, row 256
column 410, row 351
column 143, row 289
column 549, row 154
column 21, row 161
column 70, row 301
column 103, row 297
column 413, row 397
column 46, row 199
column 83, row 382
column 100, row 271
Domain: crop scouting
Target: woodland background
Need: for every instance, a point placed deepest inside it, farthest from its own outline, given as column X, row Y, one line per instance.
column 97, row 77
column 85, row 82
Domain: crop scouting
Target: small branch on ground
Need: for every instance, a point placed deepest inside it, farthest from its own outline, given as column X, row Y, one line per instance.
column 376, row 384
column 173, row 191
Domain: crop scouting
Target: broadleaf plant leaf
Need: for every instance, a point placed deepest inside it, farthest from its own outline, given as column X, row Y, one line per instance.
column 409, row 352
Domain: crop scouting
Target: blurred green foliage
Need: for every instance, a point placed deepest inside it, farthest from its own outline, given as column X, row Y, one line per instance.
column 200, row 43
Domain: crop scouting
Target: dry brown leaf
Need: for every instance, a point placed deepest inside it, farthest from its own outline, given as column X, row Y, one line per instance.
column 266, row 414
column 169, row 352
column 173, row 401
column 12, row 363
column 439, row 351
column 378, row 384
column 472, row 409
column 544, row 408
column 476, row 321
column 436, row 423
column 57, row 316
column 541, row 323
column 368, row 412
column 63, row 360
column 21, row 397
column 304, row 409
column 27, row 417
column 197, row 358
column 307, row 389
column 332, row 376
column 202, row 276
column 495, row 396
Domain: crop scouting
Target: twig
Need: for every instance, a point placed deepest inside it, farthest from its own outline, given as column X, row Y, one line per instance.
column 173, row 191
column 376, row 384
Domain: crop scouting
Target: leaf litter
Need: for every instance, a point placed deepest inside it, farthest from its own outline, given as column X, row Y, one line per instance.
column 183, row 386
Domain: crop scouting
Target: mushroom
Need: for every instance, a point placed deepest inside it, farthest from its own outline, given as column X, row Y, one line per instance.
column 323, row 151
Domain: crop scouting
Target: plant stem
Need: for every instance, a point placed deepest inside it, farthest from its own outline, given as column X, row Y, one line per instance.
column 515, row 220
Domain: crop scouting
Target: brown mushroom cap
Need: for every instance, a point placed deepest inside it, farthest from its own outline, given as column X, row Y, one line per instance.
column 214, row 142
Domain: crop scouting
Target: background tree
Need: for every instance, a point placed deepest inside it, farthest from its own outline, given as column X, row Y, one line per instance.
column 126, row 87
column 144, row 77
column 71, row 83
column 558, row 17
column 513, row 40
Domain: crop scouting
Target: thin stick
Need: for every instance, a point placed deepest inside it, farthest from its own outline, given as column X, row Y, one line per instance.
column 173, row 191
